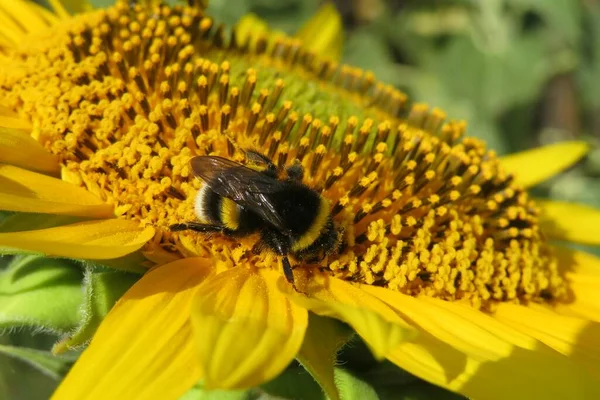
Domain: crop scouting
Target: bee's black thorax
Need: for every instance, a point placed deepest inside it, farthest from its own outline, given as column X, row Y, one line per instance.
column 298, row 206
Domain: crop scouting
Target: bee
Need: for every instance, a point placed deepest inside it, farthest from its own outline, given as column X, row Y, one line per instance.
column 238, row 200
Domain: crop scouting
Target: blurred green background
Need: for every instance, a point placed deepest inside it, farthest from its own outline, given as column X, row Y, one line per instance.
column 523, row 73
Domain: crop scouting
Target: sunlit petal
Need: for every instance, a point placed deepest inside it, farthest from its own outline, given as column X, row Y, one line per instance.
column 144, row 348
column 534, row 166
column 524, row 374
column 100, row 240
column 20, row 149
column 572, row 337
column 470, row 331
column 248, row 332
column 26, row 191
column 380, row 327
column 59, row 9
column 11, row 122
column 324, row 33
column 570, row 221
column 582, row 270
column 248, row 26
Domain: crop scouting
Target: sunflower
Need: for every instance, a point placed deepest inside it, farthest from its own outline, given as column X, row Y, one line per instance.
column 448, row 270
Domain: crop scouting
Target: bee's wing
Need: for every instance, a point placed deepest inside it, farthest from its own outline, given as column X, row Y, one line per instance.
column 245, row 186
column 256, row 157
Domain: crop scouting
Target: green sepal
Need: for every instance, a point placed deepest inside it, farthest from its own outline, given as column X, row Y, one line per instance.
column 102, row 290
column 352, row 387
column 322, row 342
column 198, row 393
column 42, row 293
column 294, row 383
column 53, row 366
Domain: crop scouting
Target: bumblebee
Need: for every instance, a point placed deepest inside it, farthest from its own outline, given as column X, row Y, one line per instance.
column 238, row 200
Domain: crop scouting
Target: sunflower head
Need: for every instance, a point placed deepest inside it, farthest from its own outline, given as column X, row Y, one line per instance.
column 125, row 97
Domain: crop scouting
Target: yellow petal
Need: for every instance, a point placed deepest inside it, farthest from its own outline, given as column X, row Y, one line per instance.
column 11, row 122
column 26, row 191
column 324, row 32
column 20, row 149
column 247, row 331
column 572, row 337
column 249, row 26
column 59, row 9
column 77, row 6
column 24, row 14
column 9, row 27
column 465, row 329
column 99, row 240
column 7, row 112
column 45, row 13
column 144, row 348
column 534, row 166
column 582, row 271
column 570, row 221
column 380, row 326
column 524, row 374
column 9, row 33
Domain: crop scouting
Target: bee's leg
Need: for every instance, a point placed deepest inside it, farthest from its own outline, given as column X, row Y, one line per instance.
column 343, row 245
column 196, row 227
column 288, row 271
column 258, row 247
column 279, row 244
column 317, row 258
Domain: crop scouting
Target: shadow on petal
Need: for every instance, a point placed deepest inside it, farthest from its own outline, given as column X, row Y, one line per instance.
column 380, row 326
column 524, row 374
column 247, row 331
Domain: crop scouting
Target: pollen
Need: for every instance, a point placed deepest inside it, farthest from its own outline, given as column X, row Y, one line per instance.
column 126, row 96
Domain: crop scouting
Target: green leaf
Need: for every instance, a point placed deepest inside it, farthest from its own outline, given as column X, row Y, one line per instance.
column 589, row 70
column 322, row 341
column 287, row 16
column 364, row 49
column 47, row 363
column 562, row 16
column 102, row 290
column 41, row 293
column 226, row 12
column 353, row 388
